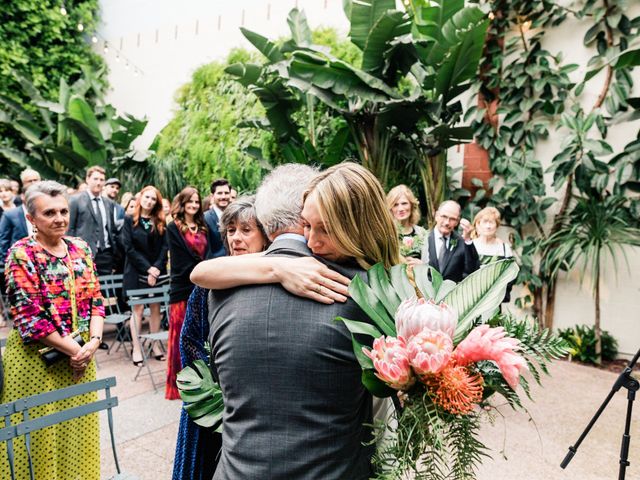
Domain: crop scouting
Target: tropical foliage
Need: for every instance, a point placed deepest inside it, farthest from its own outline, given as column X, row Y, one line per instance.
column 398, row 104
column 75, row 131
column 537, row 94
column 594, row 229
column 581, row 341
column 447, row 353
column 201, row 395
column 44, row 44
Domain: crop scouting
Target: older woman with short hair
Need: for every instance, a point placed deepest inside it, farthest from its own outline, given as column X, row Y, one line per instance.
column 54, row 295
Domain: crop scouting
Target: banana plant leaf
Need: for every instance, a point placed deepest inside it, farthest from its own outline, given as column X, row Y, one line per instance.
column 264, row 45
column 390, row 25
column 300, row 31
column 343, row 79
column 201, row 394
column 363, row 15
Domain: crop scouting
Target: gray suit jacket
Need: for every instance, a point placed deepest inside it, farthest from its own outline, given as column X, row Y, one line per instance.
column 83, row 222
column 295, row 407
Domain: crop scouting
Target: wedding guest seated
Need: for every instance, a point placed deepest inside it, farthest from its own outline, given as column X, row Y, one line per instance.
column 489, row 246
column 451, row 254
column 405, row 208
column 197, row 448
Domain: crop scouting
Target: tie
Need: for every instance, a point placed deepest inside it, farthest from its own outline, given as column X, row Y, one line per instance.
column 100, row 223
column 442, row 251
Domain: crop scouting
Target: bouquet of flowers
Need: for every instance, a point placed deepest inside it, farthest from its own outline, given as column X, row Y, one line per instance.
column 411, row 245
column 444, row 349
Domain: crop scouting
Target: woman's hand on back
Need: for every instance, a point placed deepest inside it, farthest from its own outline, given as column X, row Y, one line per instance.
column 309, row 278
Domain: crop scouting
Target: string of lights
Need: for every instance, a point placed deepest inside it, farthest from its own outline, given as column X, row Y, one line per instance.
column 107, row 46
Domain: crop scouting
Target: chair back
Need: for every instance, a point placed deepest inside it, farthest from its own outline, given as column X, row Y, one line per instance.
column 111, row 289
column 29, row 425
column 148, row 296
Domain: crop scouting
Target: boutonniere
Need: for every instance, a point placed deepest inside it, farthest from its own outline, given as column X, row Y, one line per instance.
column 452, row 244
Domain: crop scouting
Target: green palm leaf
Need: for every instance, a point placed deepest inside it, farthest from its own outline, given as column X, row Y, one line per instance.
column 480, row 293
column 364, row 14
column 201, row 394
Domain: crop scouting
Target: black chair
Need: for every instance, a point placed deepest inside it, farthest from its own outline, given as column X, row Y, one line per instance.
column 29, row 425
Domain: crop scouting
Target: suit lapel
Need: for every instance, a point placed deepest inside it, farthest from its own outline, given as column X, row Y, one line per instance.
column 89, row 206
column 433, row 256
column 22, row 220
column 449, row 252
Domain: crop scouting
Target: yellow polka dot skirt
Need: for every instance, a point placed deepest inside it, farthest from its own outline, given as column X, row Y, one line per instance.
column 66, row 451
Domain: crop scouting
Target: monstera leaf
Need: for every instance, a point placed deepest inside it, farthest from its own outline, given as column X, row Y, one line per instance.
column 201, row 395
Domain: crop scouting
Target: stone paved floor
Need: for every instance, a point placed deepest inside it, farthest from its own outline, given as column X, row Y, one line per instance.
column 523, row 448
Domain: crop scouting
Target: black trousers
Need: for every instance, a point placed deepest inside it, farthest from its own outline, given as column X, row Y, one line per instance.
column 104, row 260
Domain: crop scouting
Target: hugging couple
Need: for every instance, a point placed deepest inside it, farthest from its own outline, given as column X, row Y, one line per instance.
column 295, row 406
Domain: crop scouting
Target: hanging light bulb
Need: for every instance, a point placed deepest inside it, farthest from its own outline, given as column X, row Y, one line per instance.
column 106, row 47
column 126, row 65
column 117, row 57
column 94, row 39
column 135, row 73
column 80, row 27
column 63, row 10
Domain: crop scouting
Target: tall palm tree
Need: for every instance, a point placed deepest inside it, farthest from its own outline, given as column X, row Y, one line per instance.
column 597, row 226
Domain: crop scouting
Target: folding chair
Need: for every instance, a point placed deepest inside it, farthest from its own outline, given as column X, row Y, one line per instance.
column 111, row 288
column 149, row 296
column 29, row 425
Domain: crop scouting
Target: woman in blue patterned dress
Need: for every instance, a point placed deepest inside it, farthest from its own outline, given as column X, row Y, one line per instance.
column 197, row 448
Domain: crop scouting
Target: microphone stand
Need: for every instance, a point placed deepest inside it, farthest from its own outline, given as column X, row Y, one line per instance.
column 632, row 385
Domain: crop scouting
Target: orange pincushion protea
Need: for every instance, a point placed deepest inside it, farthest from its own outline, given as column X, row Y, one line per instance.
column 455, row 389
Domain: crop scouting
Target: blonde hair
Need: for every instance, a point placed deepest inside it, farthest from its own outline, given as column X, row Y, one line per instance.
column 399, row 191
column 351, row 203
column 487, row 212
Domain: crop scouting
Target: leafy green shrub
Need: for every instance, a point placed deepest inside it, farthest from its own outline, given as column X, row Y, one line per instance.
column 582, row 343
column 41, row 43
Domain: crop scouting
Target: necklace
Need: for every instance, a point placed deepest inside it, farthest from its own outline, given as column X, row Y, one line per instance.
column 193, row 228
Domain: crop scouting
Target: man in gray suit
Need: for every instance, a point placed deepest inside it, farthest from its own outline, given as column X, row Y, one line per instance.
column 295, row 407
column 91, row 217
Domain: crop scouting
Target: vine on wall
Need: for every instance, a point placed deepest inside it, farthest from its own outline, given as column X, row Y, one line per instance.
column 535, row 94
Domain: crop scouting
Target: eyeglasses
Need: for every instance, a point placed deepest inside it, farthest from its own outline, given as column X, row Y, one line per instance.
column 447, row 218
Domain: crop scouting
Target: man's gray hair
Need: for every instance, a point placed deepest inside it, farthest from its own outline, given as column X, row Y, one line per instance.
column 28, row 171
column 279, row 197
column 38, row 189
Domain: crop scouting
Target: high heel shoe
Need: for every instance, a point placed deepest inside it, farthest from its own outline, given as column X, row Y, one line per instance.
column 137, row 363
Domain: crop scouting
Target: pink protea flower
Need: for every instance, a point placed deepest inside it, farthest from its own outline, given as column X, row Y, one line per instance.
column 407, row 241
column 413, row 316
column 429, row 351
column 391, row 362
column 486, row 343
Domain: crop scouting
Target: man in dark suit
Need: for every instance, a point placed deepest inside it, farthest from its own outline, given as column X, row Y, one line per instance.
column 220, row 198
column 452, row 255
column 13, row 227
column 295, row 406
column 92, row 219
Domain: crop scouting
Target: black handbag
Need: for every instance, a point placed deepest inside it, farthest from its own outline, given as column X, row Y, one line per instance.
column 52, row 355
